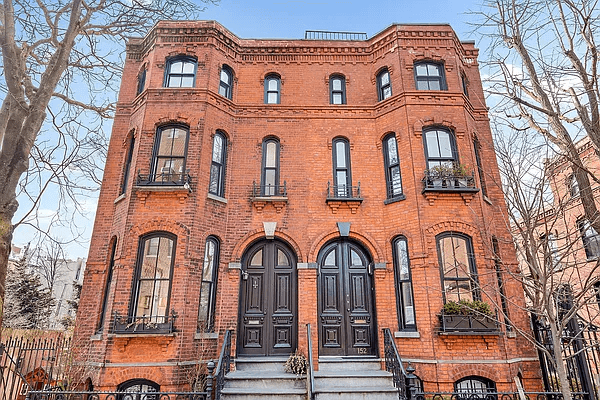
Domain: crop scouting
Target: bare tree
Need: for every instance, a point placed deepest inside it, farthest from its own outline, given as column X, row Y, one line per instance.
column 60, row 63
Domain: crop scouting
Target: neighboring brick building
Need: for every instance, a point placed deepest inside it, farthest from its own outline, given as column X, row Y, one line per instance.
column 261, row 185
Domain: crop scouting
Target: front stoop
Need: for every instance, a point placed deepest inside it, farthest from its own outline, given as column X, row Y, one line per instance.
column 263, row 378
column 353, row 379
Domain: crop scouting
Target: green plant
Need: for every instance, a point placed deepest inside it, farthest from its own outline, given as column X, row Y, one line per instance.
column 441, row 171
column 460, row 170
column 296, row 364
column 467, row 307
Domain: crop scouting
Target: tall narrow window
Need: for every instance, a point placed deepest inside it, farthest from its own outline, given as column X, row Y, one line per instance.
column 342, row 179
column 270, row 168
column 500, row 279
column 226, row 83
column 127, row 165
column 141, row 81
column 573, row 185
column 440, row 148
column 217, row 167
column 430, row 76
column 457, row 267
column 208, row 291
column 107, row 284
column 384, row 84
column 170, row 150
column 476, row 148
column 272, row 89
column 392, row 167
column 337, row 89
column 153, row 277
column 590, row 239
column 404, row 292
column 465, row 84
column 180, row 72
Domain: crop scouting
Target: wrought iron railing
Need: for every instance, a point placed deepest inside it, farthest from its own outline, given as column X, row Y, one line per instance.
column 77, row 395
column 163, row 324
column 327, row 35
column 470, row 323
column 404, row 380
column 343, row 192
column 269, row 190
column 310, row 371
column 223, row 365
column 164, row 179
column 491, row 394
column 434, row 181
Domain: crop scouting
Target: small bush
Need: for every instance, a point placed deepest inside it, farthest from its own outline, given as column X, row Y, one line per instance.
column 296, row 364
column 467, row 307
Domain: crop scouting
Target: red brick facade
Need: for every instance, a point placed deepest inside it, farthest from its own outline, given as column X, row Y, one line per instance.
column 306, row 127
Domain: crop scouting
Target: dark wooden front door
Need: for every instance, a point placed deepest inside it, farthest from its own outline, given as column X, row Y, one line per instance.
column 346, row 317
column 268, row 301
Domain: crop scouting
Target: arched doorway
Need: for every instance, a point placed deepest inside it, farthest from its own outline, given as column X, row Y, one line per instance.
column 268, row 322
column 136, row 389
column 346, row 296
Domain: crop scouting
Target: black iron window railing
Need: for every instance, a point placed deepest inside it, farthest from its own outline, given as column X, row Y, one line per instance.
column 343, row 192
column 469, row 323
column 164, row 178
column 448, row 182
column 269, row 190
column 160, row 324
column 329, row 35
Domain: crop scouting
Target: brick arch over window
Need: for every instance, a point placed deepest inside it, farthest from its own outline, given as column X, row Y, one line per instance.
column 176, row 228
column 257, row 234
column 455, row 226
column 437, row 120
column 424, row 56
column 480, row 370
column 368, row 242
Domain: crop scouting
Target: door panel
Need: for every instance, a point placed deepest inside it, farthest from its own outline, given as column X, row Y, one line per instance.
column 268, row 323
column 346, row 318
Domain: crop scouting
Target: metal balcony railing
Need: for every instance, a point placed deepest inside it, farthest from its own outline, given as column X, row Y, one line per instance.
column 343, row 192
column 435, row 182
column 164, row 179
column 161, row 324
column 269, row 190
column 329, row 35
column 469, row 323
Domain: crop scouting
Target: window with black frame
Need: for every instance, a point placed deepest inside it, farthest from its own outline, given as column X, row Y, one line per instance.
column 440, row 148
column 475, row 388
column 392, row 167
column 270, row 168
column 404, row 292
column 457, row 267
column 337, row 89
column 272, row 89
column 127, row 166
column 384, row 84
column 590, row 239
column 342, row 177
column 180, row 72
column 217, row 166
column 430, row 76
column 141, row 81
column 226, row 82
column 170, row 151
column 138, row 389
column 208, row 290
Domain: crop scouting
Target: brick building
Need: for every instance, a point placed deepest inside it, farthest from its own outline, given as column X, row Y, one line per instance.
column 262, row 185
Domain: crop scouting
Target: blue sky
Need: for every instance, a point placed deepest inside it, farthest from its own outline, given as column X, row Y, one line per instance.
column 285, row 19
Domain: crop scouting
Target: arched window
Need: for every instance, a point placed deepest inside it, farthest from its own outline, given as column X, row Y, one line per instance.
column 457, row 267
column 337, row 89
column 153, row 275
column 384, row 84
column 270, row 168
column 170, row 151
column 272, row 89
column 141, row 81
column 127, row 166
column 404, row 292
column 217, row 166
column 342, row 177
column 440, row 148
column 107, row 284
column 136, row 389
column 430, row 76
column 226, row 83
column 208, row 290
column 474, row 387
column 392, row 167
column 180, row 72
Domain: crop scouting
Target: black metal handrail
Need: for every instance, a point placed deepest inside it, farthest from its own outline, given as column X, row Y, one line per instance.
column 310, row 372
column 224, row 364
column 163, row 324
column 268, row 190
column 435, row 181
column 164, row 179
column 393, row 364
column 81, row 395
column 328, row 35
column 343, row 192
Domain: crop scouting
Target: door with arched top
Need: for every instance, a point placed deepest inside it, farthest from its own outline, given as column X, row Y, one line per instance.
column 346, row 309
column 268, row 300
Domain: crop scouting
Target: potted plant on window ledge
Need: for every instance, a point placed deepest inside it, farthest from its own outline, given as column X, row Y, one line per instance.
column 460, row 173
column 439, row 175
column 468, row 316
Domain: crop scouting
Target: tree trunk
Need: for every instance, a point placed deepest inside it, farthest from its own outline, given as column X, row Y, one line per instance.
column 565, row 387
column 6, row 233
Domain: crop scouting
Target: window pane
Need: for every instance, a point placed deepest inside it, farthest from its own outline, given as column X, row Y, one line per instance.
column 402, row 260
column 257, row 259
column 340, row 154
column 272, row 98
column 144, row 300
column 271, row 152
column 396, row 182
column 188, row 68
column 270, row 179
column 330, row 260
column 187, row 81
column 385, row 78
column 387, row 92
column 282, row 259
column 421, row 70
column 179, row 145
column 341, row 182
column 204, row 300
column 432, row 144
column 356, row 260
column 222, row 91
column 422, row 85
column 433, row 70
column 272, row 84
column 176, row 67
column 161, row 296
column 213, row 186
column 445, row 146
column 224, row 76
column 336, row 84
column 209, row 261
column 337, row 98
column 174, row 81
column 163, row 265
column 392, row 151
column 434, row 85
column 218, row 149
column 409, row 310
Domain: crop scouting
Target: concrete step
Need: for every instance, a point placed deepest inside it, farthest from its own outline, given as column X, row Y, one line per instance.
column 260, row 363
column 349, row 364
column 265, row 379
column 353, row 378
column 262, row 394
column 364, row 393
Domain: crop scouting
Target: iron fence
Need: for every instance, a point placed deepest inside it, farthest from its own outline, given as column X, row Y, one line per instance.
column 77, row 395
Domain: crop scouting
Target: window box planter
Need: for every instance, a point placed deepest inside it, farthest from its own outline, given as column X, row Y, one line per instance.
column 144, row 325
column 468, row 323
